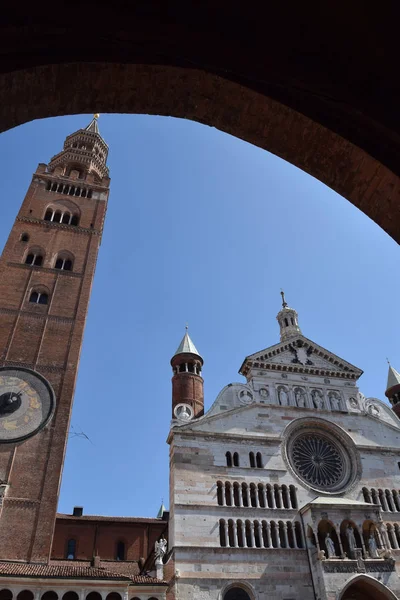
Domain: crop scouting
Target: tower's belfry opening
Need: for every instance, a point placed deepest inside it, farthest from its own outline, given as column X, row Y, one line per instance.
column 46, row 273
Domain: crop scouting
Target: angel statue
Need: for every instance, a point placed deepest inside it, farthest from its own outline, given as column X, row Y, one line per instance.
column 160, row 549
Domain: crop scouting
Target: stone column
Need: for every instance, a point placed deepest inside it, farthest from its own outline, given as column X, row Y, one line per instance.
column 273, row 497
column 252, row 534
column 393, row 536
column 340, row 541
column 235, row 535
column 226, row 534
column 390, row 501
column 268, row 534
column 280, row 497
column 285, row 535
column 242, row 525
column 278, row 538
column 240, row 495
column 295, row 545
column 248, row 496
column 383, row 502
column 264, row 495
column 368, row 496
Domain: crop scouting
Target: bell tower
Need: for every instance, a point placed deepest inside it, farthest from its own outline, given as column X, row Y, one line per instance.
column 46, row 274
column 187, row 382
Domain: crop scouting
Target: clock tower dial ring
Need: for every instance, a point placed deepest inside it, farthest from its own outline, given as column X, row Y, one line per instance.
column 27, row 403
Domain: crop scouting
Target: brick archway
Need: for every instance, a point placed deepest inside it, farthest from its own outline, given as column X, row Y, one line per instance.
column 306, row 84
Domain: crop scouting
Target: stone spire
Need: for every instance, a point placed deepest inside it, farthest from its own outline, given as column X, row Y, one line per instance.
column 85, row 152
column 288, row 321
column 187, row 383
column 393, row 389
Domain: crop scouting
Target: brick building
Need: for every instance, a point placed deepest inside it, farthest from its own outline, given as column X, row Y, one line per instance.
column 46, row 273
column 287, row 487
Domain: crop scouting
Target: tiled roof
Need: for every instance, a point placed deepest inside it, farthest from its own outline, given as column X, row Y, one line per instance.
column 52, row 570
column 111, row 519
column 60, row 570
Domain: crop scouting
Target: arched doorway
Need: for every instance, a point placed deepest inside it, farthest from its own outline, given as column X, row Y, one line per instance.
column 236, row 593
column 366, row 588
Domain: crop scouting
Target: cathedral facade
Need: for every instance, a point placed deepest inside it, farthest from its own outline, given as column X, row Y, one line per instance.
column 287, row 487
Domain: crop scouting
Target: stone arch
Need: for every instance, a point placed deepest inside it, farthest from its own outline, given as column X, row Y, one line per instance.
column 25, row 595
column 365, row 587
column 70, row 596
column 237, row 585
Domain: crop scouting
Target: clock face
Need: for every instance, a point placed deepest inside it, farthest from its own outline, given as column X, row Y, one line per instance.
column 26, row 403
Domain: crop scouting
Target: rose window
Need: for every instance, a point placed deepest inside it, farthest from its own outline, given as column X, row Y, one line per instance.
column 320, row 461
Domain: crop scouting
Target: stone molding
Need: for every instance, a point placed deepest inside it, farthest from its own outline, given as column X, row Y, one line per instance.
column 73, row 228
column 44, row 269
column 351, row 566
column 25, row 313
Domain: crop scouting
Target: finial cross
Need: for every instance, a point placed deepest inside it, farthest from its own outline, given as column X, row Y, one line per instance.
column 284, row 303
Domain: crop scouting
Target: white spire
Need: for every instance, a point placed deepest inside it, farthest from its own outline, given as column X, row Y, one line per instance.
column 288, row 321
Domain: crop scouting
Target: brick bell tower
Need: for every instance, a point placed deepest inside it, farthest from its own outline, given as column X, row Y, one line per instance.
column 46, row 274
column 187, row 383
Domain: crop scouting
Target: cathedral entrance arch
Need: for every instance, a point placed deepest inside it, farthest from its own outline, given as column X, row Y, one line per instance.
column 236, row 593
column 364, row 587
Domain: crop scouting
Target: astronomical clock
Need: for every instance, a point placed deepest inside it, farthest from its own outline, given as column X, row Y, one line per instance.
column 27, row 403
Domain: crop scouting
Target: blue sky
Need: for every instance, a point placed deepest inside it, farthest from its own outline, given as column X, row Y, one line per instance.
column 201, row 228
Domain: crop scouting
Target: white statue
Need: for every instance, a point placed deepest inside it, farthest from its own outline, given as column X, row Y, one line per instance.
column 317, row 398
column 300, row 399
column 160, row 549
column 283, row 397
column 330, row 546
column 372, row 547
column 335, row 401
column 351, row 538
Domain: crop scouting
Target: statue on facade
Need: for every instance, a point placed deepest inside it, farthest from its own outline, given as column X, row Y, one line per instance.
column 351, row 538
column 160, row 549
column 372, row 547
column 317, row 399
column 300, row 398
column 335, row 401
column 330, row 546
column 283, row 397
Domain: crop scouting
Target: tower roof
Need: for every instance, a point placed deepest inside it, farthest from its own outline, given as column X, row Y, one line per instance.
column 186, row 346
column 93, row 126
column 161, row 510
column 393, row 378
column 288, row 321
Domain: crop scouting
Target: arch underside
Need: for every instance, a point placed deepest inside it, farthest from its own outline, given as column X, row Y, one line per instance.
column 364, row 587
column 291, row 90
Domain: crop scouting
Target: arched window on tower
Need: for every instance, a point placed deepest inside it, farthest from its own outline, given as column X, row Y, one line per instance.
column 252, row 460
column 259, row 460
column 24, row 237
column 34, row 258
column 71, row 549
column 235, row 459
column 64, row 261
column 120, row 553
column 37, row 297
column 228, row 459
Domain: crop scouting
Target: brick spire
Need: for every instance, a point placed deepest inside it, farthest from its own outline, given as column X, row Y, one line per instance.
column 393, row 389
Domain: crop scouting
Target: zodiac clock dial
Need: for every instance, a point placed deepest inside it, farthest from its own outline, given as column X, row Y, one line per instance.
column 26, row 403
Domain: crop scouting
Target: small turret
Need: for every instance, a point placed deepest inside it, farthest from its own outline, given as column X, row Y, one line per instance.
column 288, row 321
column 393, row 389
column 187, row 383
